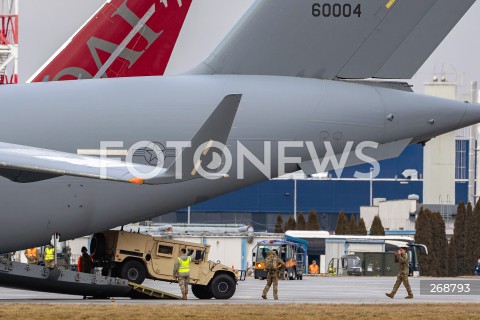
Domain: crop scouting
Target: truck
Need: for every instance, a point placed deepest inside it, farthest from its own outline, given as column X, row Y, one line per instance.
column 135, row 257
column 382, row 263
column 293, row 254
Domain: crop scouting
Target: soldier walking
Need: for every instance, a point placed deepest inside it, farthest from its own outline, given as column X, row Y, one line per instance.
column 402, row 258
column 271, row 266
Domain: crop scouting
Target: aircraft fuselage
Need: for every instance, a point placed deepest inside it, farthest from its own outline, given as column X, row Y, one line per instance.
column 77, row 115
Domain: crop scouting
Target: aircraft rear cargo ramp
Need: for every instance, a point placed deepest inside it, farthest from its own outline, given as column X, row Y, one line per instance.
column 59, row 280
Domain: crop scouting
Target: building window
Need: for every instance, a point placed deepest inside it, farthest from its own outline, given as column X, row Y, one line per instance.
column 461, row 159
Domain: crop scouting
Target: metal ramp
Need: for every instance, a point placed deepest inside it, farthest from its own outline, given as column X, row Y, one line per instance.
column 142, row 292
column 60, row 280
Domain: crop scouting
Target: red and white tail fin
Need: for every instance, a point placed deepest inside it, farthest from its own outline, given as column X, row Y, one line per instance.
column 123, row 38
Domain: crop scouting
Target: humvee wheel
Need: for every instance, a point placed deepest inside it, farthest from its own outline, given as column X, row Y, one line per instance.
column 201, row 292
column 222, row 287
column 133, row 271
column 97, row 246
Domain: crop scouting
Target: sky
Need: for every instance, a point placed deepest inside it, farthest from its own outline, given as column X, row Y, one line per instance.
column 45, row 25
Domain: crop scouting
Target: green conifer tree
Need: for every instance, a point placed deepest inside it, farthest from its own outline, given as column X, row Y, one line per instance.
column 362, row 229
column 301, row 223
column 279, row 224
column 423, row 235
column 290, row 224
column 312, row 221
column 441, row 243
column 352, row 225
column 452, row 259
column 476, row 228
column 342, row 224
column 468, row 245
column 459, row 234
column 377, row 228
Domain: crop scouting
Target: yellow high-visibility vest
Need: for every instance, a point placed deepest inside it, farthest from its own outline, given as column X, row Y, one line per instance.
column 49, row 254
column 184, row 265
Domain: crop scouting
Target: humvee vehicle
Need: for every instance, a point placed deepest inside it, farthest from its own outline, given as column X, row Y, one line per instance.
column 135, row 256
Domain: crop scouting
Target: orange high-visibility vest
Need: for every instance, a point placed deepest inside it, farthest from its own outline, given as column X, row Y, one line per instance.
column 32, row 252
column 313, row 269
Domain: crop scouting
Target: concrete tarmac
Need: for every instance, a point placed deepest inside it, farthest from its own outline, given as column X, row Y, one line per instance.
column 313, row 290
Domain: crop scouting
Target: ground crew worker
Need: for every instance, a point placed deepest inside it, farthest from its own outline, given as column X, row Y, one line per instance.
column 271, row 266
column 32, row 255
column 181, row 272
column 85, row 262
column 313, row 268
column 50, row 256
column 401, row 257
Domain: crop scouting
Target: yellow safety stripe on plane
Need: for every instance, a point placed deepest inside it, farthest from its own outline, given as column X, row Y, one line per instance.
column 195, row 169
column 390, row 4
column 209, row 145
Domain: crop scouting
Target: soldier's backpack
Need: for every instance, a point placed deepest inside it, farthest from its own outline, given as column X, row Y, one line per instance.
column 271, row 262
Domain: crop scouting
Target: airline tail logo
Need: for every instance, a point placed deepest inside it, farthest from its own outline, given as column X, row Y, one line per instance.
column 124, row 38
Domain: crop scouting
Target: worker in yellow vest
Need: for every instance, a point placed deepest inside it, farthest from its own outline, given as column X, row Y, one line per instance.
column 32, row 255
column 50, row 256
column 181, row 272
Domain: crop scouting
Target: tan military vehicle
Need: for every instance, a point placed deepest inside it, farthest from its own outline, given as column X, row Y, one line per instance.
column 135, row 256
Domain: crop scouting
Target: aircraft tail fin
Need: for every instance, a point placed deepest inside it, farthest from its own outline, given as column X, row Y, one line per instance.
column 346, row 39
column 123, row 38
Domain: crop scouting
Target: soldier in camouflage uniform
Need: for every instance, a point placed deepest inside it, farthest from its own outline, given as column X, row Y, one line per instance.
column 402, row 258
column 272, row 274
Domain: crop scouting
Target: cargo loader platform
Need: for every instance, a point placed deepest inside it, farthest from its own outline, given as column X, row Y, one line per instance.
column 60, row 280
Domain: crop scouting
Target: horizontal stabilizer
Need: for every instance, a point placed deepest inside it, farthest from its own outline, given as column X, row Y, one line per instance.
column 382, row 152
column 401, row 86
column 344, row 39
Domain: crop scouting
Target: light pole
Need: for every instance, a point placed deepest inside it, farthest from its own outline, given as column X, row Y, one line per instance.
column 476, row 191
column 371, row 186
column 295, row 198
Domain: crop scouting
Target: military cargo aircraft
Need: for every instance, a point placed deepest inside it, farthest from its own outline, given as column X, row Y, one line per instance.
column 294, row 83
